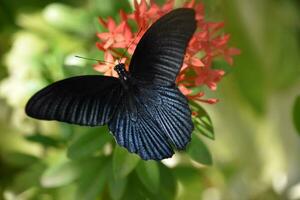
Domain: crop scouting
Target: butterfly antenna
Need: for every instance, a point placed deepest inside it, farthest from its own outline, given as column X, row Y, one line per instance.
column 102, row 61
column 131, row 43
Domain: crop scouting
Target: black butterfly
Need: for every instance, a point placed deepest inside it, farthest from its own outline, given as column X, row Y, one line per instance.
column 143, row 108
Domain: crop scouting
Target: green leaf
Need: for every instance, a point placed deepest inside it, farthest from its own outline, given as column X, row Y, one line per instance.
column 148, row 173
column 43, row 140
column 29, row 178
column 93, row 178
column 189, row 177
column 123, row 162
column 168, row 182
column 296, row 114
column 18, row 159
column 222, row 65
column 202, row 122
column 66, row 131
column 60, row 174
column 67, row 192
column 117, row 187
column 86, row 144
column 198, row 151
column 135, row 189
column 167, row 191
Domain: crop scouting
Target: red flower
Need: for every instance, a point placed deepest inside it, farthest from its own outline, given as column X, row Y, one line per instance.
column 116, row 37
column 144, row 15
column 207, row 43
column 191, row 61
column 199, row 8
column 209, row 77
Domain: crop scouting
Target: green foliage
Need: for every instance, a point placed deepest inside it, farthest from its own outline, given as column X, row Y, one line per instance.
column 168, row 183
column 93, row 179
column 148, row 173
column 88, row 143
column 199, row 152
column 19, row 159
column 251, row 61
column 29, row 178
column 223, row 65
column 44, row 140
column 202, row 122
column 296, row 114
column 117, row 187
column 60, row 174
column 123, row 162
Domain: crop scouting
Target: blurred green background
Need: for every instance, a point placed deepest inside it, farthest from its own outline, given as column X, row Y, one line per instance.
column 256, row 148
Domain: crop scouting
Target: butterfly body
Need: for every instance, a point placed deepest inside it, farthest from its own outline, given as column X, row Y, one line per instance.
column 143, row 108
column 124, row 75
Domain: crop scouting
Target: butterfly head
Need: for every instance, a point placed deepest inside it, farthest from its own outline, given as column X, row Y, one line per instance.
column 123, row 74
column 119, row 67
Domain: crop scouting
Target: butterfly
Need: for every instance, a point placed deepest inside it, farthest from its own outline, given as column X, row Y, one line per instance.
column 143, row 108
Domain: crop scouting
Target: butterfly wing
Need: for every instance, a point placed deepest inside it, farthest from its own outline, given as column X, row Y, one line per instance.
column 154, row 116
column 151, row 121
column 84, row 100
column 171, row 112
column 134, row 129
column 159, row 55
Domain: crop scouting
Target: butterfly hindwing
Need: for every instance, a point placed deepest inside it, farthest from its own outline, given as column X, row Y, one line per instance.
column 135, row 129
column 159, row 120
column 172, row 114
column 83, row 100
column 159, row 54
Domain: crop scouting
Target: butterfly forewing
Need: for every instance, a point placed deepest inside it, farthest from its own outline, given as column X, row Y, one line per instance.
column 159, row 55
column 84, row 100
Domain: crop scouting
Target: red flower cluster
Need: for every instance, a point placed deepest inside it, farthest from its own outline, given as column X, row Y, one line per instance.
column 206, row 44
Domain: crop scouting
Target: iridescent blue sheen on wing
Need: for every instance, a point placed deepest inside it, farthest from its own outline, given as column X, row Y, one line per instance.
column 172, row 114
column 159, row 120
column 135, row 129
